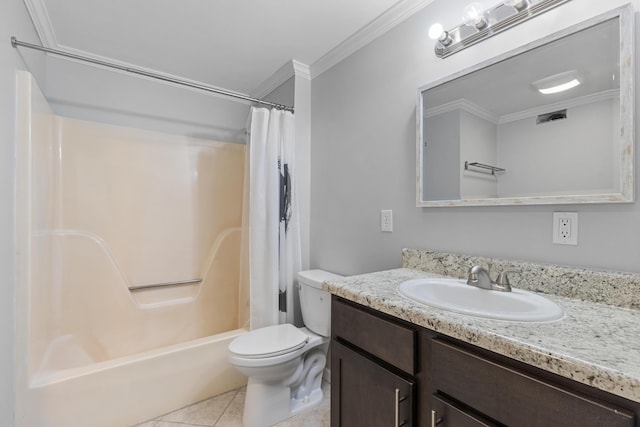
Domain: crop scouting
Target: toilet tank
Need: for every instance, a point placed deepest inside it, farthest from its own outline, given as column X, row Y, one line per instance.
column 315, row 303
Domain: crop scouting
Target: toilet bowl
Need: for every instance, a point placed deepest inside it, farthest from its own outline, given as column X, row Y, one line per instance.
column 284, row 364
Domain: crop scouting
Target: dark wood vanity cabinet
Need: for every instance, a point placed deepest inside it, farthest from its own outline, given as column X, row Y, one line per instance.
column 373, row 363
column 369, row 394
column 388, row 372
column 446, row 412
column 495, row 391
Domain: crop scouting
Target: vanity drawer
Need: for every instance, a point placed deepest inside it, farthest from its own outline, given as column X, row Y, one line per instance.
column 446, row 413
column 513, row 397
column 388, row 340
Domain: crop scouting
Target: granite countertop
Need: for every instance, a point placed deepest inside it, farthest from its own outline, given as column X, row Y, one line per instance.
column 595, row 344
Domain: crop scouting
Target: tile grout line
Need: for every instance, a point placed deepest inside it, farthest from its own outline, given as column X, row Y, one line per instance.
column 226, row 407
column 159, row 419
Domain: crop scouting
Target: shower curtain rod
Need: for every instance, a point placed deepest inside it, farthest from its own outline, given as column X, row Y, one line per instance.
column 15, row 43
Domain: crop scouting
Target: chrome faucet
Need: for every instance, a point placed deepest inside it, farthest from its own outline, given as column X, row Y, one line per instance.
column 480, row 277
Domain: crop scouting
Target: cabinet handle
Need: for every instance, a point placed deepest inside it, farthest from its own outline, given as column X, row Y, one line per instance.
column 397, row 404
column 434, row 418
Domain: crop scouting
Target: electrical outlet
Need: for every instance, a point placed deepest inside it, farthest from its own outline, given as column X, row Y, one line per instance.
column 386, row 220
column 565, row 228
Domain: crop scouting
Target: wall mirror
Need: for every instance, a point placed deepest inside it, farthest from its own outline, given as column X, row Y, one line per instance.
column 490, row 136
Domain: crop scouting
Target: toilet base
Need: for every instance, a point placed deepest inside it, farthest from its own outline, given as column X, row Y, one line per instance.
column 311, row 401
column 267, row 403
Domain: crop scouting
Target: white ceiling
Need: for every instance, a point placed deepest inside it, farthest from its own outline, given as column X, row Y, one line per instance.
column 239, row 45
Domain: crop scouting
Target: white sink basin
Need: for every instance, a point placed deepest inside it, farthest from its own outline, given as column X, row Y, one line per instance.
column 455, row 295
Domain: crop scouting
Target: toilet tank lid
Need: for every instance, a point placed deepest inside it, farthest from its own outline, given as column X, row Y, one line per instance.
column 316, row 277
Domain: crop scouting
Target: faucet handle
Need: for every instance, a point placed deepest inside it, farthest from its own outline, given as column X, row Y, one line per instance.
column 503, row 279
column 472, row 277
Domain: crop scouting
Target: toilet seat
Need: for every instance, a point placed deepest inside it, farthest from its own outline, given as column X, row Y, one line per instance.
column 269, row 341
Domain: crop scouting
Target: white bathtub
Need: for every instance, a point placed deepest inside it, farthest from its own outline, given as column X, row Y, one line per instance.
column 91, row 225
column 128, row 390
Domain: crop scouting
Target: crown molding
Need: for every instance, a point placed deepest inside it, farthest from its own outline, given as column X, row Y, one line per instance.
column 40, row 18
column 571, row 103
column 470, row 107
column 464, row 105
column 276, row 79
column 383, row 23
column 301, row 70
column 291, row 69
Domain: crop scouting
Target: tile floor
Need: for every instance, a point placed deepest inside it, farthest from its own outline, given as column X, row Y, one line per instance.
column 225, row 410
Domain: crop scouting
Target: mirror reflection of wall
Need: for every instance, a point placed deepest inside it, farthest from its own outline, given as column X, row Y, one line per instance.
column 441, row 151
column 566, row 156
column 455, row 136
column 571, row 155
column 529, row 144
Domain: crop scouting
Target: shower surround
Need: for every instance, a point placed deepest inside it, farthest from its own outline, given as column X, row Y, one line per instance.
column 103, row 212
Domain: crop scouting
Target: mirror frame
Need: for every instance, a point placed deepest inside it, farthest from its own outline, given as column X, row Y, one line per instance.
column 625, row 16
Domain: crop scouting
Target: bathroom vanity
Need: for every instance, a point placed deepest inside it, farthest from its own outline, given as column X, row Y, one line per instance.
column 389, row 372
column 396, row 362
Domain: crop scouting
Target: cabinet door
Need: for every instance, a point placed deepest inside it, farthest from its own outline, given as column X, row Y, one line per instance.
column 365, row 394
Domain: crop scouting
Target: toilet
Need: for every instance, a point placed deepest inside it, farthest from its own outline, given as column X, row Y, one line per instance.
column 284, row 363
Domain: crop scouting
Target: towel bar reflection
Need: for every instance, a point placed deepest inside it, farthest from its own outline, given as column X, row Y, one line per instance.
column 488, row 169
column 162, row 285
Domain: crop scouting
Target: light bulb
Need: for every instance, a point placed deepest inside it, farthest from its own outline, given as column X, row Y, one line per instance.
column 517, row 4
column 473, row 16
column 435, row 31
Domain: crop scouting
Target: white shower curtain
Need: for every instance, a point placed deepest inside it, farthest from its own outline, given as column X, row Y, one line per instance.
column 274, row 234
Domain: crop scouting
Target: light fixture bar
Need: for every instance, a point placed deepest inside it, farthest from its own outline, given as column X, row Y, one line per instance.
column 463, row 36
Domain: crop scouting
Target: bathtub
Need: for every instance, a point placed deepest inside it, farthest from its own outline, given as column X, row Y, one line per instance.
column 129, row 390
column 92, row 348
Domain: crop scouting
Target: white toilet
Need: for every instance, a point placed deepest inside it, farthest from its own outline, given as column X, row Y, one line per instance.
column 284, row 363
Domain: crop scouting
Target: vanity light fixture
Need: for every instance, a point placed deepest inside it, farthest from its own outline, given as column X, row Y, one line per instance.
column 479, row 24
column 445, row 39
column 557, row 82
column 474, row 16
column 517, row 4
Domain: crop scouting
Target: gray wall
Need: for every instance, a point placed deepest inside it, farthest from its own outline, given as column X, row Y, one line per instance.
column 363, row 160
column 581, row 144
column 14, row 21
column 283, row 94
column 103, row 95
